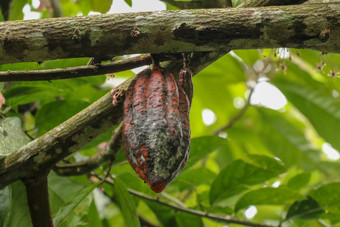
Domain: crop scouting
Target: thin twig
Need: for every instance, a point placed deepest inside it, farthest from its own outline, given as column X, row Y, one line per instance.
column 75, row 72
column 237, row 116
column 216, row 217
column 104, row 155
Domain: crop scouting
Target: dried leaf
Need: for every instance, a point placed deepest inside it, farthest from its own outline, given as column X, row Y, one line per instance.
column 46, row 4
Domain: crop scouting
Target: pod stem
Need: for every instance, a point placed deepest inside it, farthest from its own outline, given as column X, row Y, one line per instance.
column 155, row 59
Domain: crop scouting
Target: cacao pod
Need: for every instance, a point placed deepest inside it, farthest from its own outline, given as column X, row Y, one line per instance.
column 156, row 130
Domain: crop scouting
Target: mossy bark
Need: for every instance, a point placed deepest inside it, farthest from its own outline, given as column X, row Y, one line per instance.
column 315, row 26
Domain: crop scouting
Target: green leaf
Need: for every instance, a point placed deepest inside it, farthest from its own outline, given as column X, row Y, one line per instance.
column 54, row 113
column 238, row 175
column 268, row 196
column 203, row 146
column 299, row 180
column 192, row 178
column 129, row 2
column 66, row 211
column 63, row 187
column 101, row 6
column 5, row 198
column 22, row 94
column 18, row 213
column 126, row 204
column 1, row 16
column 304, row 209
column 16, row 10
column 286, row 141
column 328, row 197
column 225, row 70
column 93, row 216
column 165, row 215
column 321, row 109
column 12, row 136
column 184, row 220
column 85, row 6
column 133, row 181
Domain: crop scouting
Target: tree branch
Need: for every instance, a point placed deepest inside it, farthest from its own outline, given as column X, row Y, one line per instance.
column 74, row 72
column 104, row 155
column 172, row 32
column 199, row 4
column 216, row 217
column 257, row 3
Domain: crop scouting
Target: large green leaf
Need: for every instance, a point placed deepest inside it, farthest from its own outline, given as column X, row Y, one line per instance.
column 190, row 180
column 68, row 209
column 237, row 176
column 54, row 113
column 286, row 141
column 126, row 204
column 101, row 6
column 299, row 180
column 12, row 136
column 202, row 146
column 268, row 196
column 63, row 187
column 16, row 10
column 184, row 220
column 317, row 104
column 304, row 209
column 129, row 2
column 18, row 213
column 22, row 94
column 166, row 216
column 5, row 198
column 328, row 197
column 93, row 216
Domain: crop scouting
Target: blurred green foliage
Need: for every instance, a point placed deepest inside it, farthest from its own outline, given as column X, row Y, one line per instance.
column 269, row 158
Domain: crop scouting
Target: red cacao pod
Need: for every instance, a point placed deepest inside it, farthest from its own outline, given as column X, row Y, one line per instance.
column 156, row 129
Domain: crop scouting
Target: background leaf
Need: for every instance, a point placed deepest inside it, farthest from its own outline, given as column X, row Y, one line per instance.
column 321, row 109
column 126, row 204
column 267, row 196
column 238, row 175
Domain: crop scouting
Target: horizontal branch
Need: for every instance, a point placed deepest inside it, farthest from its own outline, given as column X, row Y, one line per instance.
column 314, row 26
column 74, row 72
column 257, row 3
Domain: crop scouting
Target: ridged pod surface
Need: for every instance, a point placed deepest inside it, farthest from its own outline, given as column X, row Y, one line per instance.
column 156, row 130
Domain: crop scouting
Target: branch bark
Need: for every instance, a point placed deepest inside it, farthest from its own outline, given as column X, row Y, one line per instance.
column 104, row 155
column 200, row 4
column 74, row 72
column 257, row 3
column 172, row 32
